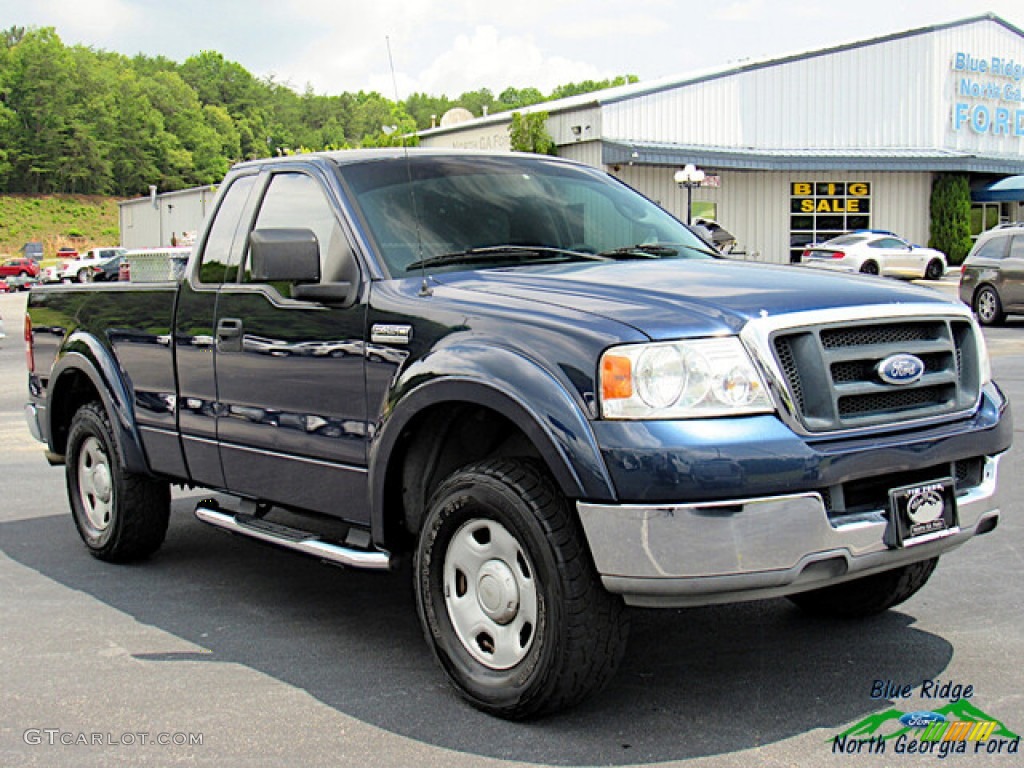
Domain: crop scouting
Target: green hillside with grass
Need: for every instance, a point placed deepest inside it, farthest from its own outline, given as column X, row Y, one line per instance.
column 78, row 221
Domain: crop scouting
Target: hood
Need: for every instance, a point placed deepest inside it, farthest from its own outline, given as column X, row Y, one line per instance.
column 670, row 299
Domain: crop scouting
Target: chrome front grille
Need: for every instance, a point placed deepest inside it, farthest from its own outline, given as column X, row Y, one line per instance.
column 830, row 371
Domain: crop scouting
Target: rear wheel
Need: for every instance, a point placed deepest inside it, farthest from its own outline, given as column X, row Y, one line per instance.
column 868, row 595
column 120, row 515
column 935, row 270
column 869, row 267
column 988, row 307
column 83, row 275
column 507, row 594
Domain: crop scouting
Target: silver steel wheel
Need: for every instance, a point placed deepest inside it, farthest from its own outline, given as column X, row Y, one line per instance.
column 490, row 593
column 95, row 484
column 987, row 306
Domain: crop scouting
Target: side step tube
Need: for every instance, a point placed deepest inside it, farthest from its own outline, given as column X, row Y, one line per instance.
column 292, row 538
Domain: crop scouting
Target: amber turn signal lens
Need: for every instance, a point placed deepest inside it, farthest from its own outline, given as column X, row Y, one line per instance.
column 616, row 377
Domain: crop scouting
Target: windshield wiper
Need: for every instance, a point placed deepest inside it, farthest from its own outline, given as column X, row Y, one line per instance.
column 653, row 251
column 519, row 253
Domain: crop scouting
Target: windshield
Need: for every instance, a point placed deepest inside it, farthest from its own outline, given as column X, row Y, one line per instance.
column 476, row 212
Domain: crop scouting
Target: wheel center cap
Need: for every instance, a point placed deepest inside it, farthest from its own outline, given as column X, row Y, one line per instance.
column 101, row 482
column 497, row 592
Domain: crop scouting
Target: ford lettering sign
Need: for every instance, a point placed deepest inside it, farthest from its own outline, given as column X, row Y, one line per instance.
column 921, row 719
column 900, row 369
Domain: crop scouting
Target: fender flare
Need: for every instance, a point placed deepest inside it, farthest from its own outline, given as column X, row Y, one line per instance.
column 510, row 384
column 86, row 355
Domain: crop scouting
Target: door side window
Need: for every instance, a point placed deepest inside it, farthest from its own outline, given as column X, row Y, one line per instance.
column 297, row 201
column 223, row 249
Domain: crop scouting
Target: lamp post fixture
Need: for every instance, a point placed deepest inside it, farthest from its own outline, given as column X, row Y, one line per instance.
column 691, row 176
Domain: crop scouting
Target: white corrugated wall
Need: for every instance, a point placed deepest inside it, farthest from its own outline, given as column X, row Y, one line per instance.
column 894, row 94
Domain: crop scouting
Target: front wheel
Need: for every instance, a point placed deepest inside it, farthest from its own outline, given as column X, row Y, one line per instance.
column 120, row 515
column 868, row 595
column 508, row 596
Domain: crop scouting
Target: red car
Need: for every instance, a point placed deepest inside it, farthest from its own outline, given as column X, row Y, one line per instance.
column 19, row 268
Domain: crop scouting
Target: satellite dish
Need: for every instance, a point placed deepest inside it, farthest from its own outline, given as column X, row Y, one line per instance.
column 454, row 116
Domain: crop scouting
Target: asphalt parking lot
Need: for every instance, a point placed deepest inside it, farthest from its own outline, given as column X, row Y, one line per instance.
column 220, row 651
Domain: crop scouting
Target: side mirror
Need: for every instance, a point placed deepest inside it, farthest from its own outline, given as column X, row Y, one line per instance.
column 285, row 255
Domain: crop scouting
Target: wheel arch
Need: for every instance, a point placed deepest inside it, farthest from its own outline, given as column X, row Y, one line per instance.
column 87, row 371
column 513, row 412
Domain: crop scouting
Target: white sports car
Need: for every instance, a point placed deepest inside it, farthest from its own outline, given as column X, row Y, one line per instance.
column 876, row 254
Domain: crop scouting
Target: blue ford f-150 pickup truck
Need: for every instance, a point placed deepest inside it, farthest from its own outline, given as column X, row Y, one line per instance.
column 536, row 384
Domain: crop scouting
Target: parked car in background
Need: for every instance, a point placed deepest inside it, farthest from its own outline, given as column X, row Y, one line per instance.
column 50, row 270
column 992, row 275
column 876, row 253
column 53, row 269
column 82, row 268
column 32, row 250
column 108, row 269
column 19, row 267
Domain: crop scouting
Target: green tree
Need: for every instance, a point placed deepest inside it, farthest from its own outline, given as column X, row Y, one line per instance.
column 589, row 86
column 951, row 216
column 141, row 139
column 515, row 98
column 229, row 85
column 529, row 133
column 477, row 101
column 427, row 110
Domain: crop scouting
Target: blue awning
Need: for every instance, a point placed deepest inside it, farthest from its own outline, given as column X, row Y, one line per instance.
column 1005, row 190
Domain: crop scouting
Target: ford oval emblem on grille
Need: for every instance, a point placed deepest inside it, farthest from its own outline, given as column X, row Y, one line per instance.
column 900, row 369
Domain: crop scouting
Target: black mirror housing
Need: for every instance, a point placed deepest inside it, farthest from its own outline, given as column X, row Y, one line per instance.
column 286, row 255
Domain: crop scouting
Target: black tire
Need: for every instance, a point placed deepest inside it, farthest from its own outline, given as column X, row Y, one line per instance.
column 869, row 268
column 83, row 275
column 988, row 306
column 935, row 270
column 121, row 516
column 500, row 532
column 869, row 595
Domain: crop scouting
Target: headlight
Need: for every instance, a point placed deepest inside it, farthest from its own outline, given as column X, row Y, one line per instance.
column 984, row 361
column 680, row 380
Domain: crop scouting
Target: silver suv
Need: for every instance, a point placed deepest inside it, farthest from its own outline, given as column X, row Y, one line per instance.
column 992, row 277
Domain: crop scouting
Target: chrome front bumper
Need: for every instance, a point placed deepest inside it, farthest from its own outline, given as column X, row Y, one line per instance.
column 746, row 549
column 33, row 418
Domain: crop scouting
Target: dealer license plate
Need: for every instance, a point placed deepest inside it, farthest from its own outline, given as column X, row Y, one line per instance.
column 920, row 513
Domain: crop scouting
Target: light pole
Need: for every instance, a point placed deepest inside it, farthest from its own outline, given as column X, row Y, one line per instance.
column 691, row 176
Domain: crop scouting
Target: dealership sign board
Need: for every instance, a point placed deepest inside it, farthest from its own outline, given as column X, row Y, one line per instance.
column 989, row 95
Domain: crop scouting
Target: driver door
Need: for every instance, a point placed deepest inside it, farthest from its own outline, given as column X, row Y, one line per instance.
column 292, row 425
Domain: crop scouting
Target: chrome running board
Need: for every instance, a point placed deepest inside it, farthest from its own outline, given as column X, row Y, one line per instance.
column 295, row 539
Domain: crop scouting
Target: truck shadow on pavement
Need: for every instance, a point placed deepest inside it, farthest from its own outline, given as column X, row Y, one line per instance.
column 695, row 682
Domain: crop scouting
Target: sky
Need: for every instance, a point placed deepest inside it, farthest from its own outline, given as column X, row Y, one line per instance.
column 448, row 47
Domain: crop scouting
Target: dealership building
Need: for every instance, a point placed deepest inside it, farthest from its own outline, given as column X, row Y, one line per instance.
column 797, row 148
